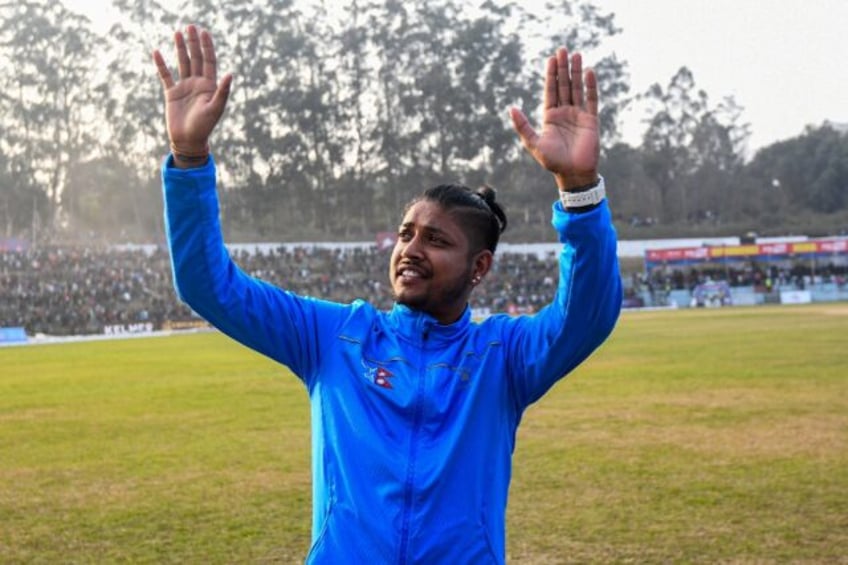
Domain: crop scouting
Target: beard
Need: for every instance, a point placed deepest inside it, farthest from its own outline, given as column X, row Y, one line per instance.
column 435, row 300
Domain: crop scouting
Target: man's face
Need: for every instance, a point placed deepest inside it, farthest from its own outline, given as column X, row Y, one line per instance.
column 432, row 266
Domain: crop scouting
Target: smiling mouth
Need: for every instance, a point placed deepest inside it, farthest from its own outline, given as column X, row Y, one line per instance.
column 408, row 274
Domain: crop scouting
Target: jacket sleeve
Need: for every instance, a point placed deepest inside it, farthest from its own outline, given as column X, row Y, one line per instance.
column 545, row 347
column 272, row 321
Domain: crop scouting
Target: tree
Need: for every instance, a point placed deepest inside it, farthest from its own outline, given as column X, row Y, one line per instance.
column 131, row 124
column 667, row 141
column 47, row 105
column 805, row 173
column 97, row 202
column 634, row 194
column 718, row 145
column 342, row 113
column 583, row 26
column 692, row 151
column 354, row 37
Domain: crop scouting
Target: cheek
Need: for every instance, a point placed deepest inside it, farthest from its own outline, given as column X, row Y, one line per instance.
column 393, row 260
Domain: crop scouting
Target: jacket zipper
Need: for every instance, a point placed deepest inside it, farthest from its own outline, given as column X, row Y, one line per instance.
column 413, row 449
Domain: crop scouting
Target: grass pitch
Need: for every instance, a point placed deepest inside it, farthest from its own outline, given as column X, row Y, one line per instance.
column 695, row 436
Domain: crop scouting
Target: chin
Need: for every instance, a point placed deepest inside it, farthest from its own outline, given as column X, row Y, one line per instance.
column 408, row 299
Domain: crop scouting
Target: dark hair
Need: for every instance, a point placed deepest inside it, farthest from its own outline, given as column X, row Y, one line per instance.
column 483, row 219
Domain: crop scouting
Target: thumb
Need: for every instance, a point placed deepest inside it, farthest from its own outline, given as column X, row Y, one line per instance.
column 222, row 94
column 525, row 131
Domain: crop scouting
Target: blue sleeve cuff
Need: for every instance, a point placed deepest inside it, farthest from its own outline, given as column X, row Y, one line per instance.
column 169, row 167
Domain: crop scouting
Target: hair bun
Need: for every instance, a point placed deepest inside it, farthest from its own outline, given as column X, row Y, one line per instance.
column 488, row 194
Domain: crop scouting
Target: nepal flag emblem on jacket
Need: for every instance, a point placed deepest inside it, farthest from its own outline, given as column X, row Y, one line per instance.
column 380, row 376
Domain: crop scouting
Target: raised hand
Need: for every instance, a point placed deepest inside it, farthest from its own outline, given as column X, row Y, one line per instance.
column 569, row 143
column 195, row 103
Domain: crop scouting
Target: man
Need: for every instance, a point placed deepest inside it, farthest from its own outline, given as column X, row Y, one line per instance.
column 415, row 410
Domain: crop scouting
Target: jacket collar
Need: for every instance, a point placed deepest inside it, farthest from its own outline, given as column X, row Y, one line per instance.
column 415, row 325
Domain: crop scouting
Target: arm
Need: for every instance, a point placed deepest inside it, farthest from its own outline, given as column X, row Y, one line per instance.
column 276, row 323
column 545, row 347
column 279, row 324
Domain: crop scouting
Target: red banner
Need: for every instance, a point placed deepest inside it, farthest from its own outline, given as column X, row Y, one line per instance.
column 386, row 240
column 762, row 250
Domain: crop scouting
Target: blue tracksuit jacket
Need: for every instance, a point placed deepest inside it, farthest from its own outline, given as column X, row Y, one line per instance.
column 413, row 422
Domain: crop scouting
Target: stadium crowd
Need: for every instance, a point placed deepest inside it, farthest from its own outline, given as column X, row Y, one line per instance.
column 70, row 291
column 763, row 277
column 83, row 290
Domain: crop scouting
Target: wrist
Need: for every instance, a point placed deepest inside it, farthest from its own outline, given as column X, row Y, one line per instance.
column 583, row 199
column 186, row 158
column 577, row 183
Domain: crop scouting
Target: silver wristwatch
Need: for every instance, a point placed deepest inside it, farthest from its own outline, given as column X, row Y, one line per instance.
column 572, row 199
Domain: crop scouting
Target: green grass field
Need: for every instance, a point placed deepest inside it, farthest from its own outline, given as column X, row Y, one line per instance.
column 691, row 437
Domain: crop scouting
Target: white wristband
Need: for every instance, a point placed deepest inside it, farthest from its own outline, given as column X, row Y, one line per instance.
column 584, row 198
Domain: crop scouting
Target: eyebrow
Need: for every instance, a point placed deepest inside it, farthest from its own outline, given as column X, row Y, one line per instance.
column 426, row 228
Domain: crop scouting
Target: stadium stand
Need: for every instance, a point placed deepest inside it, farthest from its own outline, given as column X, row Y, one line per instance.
column 63, row 291
column 80, row 291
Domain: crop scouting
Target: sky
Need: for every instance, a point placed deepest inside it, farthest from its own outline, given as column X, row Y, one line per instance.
column 781, row 60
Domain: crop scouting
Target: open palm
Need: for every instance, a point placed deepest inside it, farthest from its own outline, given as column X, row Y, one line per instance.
column 195, row 103
column 568, row 144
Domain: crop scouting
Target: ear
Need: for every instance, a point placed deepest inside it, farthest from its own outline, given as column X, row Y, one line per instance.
column 481, row 263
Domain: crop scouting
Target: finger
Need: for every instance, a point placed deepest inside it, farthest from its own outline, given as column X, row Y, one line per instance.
column 577, row 80
column 528, row 136
column 591, row 92
column 182, row 55
column 164, row 72
column 550, row 100
column 222, row 94
column 194, row 51
column 563, row 78
column 210, row 63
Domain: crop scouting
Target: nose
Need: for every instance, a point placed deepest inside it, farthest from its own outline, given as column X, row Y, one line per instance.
column 412, row 248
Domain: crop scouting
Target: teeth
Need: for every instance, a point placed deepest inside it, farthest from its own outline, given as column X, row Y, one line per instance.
column 408, row 273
